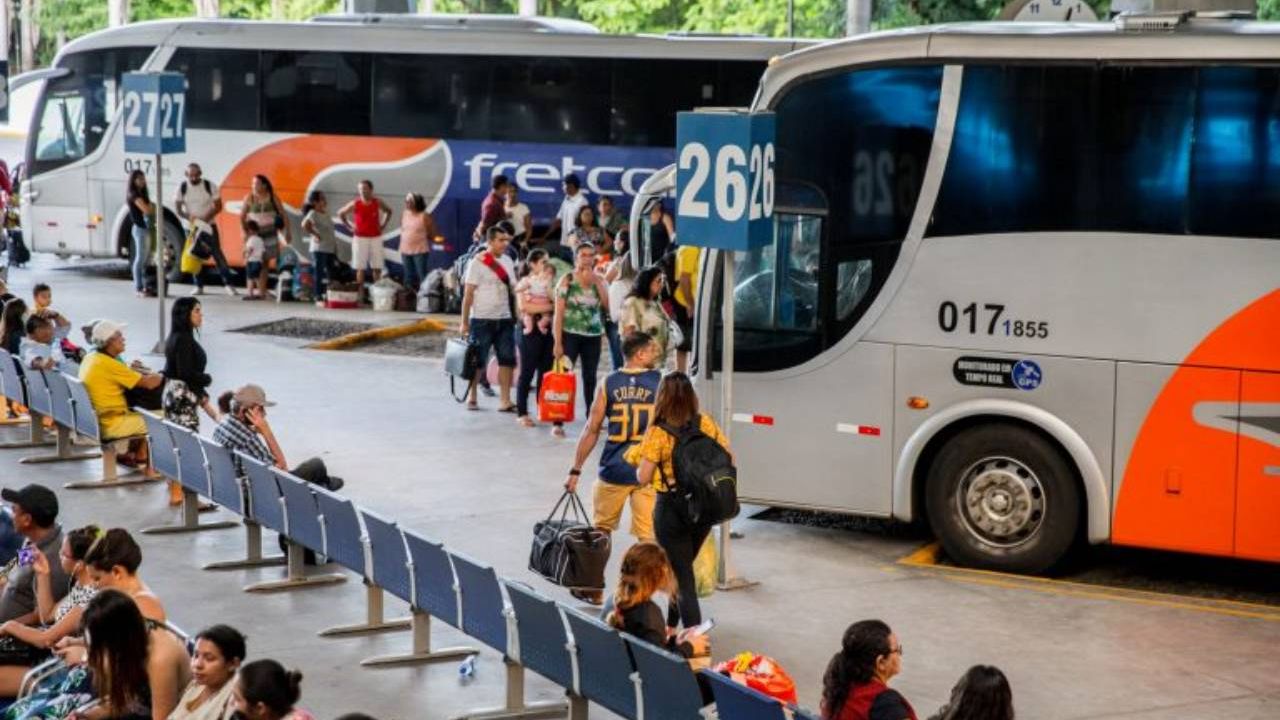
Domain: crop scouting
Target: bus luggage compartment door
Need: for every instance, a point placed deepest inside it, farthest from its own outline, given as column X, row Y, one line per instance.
column 1258, row 472
column 54, row 212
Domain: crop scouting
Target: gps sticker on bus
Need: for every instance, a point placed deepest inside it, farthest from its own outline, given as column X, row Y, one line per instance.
column 997, row 372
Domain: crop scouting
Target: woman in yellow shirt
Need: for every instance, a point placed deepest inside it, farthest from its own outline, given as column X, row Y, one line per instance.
column 676, row 406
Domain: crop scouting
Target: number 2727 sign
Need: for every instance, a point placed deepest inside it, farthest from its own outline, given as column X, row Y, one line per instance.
column 725, row 182
column 154, row 109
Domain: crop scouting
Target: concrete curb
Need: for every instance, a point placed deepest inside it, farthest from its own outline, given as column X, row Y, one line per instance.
column 346, row 342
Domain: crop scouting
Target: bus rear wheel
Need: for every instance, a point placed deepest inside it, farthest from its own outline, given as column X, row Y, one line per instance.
column 1001, row 497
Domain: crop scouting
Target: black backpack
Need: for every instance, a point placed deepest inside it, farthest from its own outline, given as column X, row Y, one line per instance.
column 705, row 475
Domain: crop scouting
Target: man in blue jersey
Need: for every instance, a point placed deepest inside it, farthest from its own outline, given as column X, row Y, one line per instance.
column 625, row 401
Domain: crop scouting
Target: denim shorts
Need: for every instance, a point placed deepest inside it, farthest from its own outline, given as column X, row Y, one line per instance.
column 253, row 269
column 498, row 334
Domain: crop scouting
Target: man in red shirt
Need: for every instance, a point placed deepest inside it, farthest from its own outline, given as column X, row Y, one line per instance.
column 493, row 209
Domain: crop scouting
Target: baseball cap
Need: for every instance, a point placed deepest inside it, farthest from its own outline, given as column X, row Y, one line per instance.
column 103, row 330
column 252, row 394
column 37, row 500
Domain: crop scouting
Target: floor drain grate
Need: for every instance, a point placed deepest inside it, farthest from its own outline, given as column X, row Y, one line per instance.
column 305, row 328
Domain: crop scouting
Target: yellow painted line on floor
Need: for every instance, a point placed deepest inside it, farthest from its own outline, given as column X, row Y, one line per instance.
column 927, row 558
column 345, row 342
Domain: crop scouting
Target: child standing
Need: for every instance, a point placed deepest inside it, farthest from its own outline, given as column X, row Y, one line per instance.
column 254, row 250
column 318, row 226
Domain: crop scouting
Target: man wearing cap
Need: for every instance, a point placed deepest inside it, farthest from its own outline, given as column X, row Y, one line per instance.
column 567, row 218
column 107, row 378
column 244, row 428
column 35, row 514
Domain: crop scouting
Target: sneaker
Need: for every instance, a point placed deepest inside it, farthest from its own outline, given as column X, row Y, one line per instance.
column 197, row 291
column 230, row 290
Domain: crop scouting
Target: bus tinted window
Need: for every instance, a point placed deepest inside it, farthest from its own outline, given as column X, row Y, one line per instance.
column 435, row 96
column 316, row 92
column 222, row 87
column 1070, row 148
column 852, row 148
column 1235, row 159
column 550, row 99
column 647, row 94
column 76, row 108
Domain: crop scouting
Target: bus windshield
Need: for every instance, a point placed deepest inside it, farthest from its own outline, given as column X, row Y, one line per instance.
column 76, row 108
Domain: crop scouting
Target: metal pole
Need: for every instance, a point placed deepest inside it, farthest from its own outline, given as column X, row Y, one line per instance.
column 791, row 18
column 159, row 223
column 726, row 579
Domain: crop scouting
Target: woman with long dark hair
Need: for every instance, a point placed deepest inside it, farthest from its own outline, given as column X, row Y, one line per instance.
column 141, row 222
column 113, row 563
column 856, row 684
column 982, row 693
column 266, row 691
column 13, row 327
column 186, row 387
column 677, row 407
column 642, row 311
column 263, row 207
column 138, row 669
column 535, row 307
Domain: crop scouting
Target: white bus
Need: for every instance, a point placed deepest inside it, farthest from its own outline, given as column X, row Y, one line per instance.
column 1024, row 285
column 435, row 105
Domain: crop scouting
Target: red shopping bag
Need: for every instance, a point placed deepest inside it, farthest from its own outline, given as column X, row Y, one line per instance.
column 557, row 394
column 762, row 673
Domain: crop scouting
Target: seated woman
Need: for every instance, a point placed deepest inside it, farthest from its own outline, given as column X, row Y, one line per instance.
column 138, row 668
column 113, row 564
column 59, row 618
column 266, row 691
column 982, row 693
column 645, row 571
column 219, row 652
column 856, row 684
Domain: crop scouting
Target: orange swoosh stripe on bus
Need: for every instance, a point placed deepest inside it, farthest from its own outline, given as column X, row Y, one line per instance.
column 292, row 165
column 1193, row 483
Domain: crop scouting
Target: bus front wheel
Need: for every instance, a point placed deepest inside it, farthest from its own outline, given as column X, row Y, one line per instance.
column 1002, row 497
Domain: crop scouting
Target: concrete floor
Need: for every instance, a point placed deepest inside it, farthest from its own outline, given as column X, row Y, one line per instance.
column 479, row 482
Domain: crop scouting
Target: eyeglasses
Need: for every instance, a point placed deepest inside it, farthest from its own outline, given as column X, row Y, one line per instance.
column 896, row 651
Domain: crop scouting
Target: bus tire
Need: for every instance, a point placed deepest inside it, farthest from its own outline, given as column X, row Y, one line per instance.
column 174, row 240
column 1002, row 497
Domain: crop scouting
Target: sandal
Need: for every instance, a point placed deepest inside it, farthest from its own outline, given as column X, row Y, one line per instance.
column 526, row 421
column 507, row 409
column 473, row 406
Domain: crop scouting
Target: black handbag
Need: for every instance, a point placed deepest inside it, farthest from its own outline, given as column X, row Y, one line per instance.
column 461, row 363
column 569, row 551
column 200, row 245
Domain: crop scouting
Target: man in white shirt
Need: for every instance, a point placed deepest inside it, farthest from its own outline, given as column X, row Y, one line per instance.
column 198, row 202
column 567, row 218
column 488, row 312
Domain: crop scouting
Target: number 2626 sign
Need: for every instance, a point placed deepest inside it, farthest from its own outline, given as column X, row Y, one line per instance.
column 154, row 106
column 725, row 182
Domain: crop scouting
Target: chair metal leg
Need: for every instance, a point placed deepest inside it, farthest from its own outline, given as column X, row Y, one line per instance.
column 374, row 622
column 577, row 707
column 190, row 519
column 422, row 652
column 253, row 552
column 111, row 476
column 36, row 436
column 516, row 707
column 297, row 576
column 65, row 451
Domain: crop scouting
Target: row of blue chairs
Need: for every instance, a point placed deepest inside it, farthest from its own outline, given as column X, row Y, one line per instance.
column 64, row 400
column 592, row 661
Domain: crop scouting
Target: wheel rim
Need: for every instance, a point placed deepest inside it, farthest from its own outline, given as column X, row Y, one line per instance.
column 1001, row 502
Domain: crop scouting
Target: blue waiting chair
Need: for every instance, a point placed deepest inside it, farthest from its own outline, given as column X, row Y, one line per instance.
column 164, row 454
column 193, row 475
column 668, row 688
column 285, row 504
column 737, row 701
column 86, row 425
column 427, row 575
column 228, row 490
column 50, row 397
column 542, row 638
column 345, row 544
column 607, row 673
column 486, row 617
column 14, row 387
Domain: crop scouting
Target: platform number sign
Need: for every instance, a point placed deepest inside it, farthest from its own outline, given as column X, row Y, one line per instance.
column 154, row 109
column 725, row 183
column 4, row 92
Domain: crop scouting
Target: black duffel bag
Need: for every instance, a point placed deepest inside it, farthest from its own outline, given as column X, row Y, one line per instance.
column 570, row 551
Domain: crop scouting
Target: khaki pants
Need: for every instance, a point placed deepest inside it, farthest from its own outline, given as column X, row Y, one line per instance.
column 608, row 500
